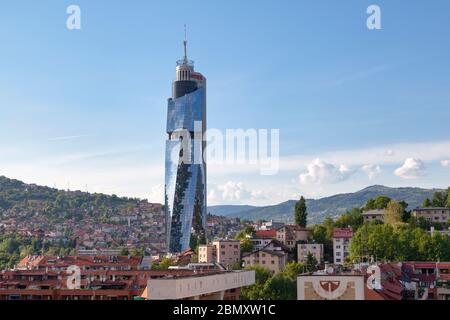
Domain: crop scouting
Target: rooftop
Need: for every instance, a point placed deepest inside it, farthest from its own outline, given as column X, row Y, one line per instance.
column 342, row 233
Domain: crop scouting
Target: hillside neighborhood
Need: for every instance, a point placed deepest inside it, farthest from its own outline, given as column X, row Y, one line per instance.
column 410, row 246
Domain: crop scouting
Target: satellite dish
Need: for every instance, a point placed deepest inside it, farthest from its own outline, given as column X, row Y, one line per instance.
column 330, row 270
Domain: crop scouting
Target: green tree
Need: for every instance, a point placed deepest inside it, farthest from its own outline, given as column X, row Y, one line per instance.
column 353, row 219
column 447, row 204
column 427, row 203
column 280, row 287
column 394, row 212
column 163, row 265
column 247, row 232
column 319, row 234
column 439, row 199
column 377, row 240
column 379, row 203
column 311, row 262
column 193, row 241
column 293, row 269
column 423, row 223
column 437, row 226
column 370, row 205
column 328, row 223
column 246, row 246
column 323, row 235
column 301, row 213
column 257, row 290
column 439, row 248
column 137, row 252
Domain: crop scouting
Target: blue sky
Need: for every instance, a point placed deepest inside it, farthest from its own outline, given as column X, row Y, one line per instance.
column 86, row 109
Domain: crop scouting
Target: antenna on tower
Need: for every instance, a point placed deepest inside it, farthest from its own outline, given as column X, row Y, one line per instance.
column 185, row 44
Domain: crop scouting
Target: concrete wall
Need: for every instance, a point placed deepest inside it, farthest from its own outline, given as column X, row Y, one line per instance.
column 194, row 287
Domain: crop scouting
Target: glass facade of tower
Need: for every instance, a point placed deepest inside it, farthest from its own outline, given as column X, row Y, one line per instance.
column 185, row 171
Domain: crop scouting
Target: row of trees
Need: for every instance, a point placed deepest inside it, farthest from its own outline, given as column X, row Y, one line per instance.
column 400, row 237
column 15, row 247
column 441, row 199
column 398, row 242
column 59, row 205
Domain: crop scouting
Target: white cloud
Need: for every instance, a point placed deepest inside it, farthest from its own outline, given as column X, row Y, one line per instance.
column 428, row 152
column 371, row 170
column 319, row 171
column 445, row 163
column 413, row 168
column 233, row 192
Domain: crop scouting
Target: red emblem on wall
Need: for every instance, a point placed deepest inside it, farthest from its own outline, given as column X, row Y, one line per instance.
column 330, row 286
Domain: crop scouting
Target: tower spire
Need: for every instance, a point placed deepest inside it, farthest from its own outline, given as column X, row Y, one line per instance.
column 185, row 44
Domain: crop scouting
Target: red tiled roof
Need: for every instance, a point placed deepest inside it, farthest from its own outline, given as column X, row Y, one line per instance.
column 342, row 233
column 266, row 233
column 54, row 261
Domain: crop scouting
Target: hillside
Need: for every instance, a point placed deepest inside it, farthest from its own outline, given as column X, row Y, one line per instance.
column 330, row 206
column 16, row 195
column 79, row 218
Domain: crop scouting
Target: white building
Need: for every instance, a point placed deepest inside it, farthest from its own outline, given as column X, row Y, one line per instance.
column 440, row 215
column 199, row 287
column 331, row 287
column 261, row 242
column 342, row 238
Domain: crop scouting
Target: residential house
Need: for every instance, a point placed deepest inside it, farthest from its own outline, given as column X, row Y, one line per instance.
column 341, row 244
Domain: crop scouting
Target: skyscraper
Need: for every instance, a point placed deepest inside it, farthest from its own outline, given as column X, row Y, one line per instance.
column 185, row 172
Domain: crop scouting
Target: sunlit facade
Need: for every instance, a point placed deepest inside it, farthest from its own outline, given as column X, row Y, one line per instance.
column 185, row 170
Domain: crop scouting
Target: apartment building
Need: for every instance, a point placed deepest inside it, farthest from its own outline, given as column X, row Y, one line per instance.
column 207, row 254
column 289, row 235
column 228, row 251
column 342, row 238
column 440, row 215
column 274, row 260
column 431, row 279
column 373, row 215
column 315, row 249
column 225, row 252
column 113, row 278
column 260, row 242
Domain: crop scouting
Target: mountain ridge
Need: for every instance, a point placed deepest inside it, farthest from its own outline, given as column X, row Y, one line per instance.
column 318, row 209
column 331, row 206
